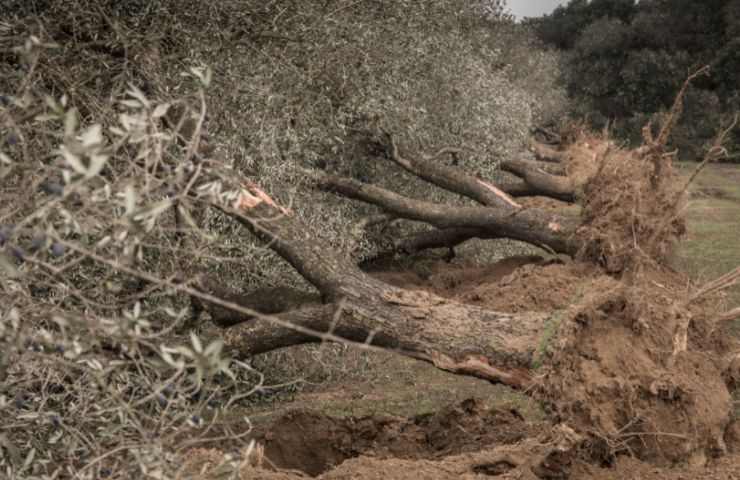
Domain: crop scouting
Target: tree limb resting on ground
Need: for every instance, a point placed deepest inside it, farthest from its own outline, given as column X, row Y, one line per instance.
column 359, row 308
column 455, row 337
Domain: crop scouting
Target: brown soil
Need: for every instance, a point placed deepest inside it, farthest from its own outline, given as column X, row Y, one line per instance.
column 457, row 442
column 611, row 373
column 515, row 284
column 616, row 374
column 316, row 443
column 611, row 367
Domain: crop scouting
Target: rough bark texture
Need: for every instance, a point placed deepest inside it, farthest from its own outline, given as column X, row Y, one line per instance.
column 538, row 227
column 452, row 336
column 445, row 238
column 540, row 181
column 457, row 338
column 356, row 307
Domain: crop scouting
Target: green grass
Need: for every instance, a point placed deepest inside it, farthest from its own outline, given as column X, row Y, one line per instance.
column 548, row 334
column 712, row 246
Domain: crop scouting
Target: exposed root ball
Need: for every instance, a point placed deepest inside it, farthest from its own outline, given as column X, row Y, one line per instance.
column 631, row 202
column 615, row 375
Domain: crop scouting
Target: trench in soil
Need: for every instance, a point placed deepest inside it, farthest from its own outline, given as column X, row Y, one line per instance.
column 315, row 443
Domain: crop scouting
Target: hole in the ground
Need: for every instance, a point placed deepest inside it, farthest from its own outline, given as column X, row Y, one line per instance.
column 315, row 443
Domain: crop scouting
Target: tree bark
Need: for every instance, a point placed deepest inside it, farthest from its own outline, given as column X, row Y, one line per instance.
column 548, row 154
column 542, row 182
column 356, row 307
column 454, row 337
column 550, row 456
column 445, row 238
column 538, row 227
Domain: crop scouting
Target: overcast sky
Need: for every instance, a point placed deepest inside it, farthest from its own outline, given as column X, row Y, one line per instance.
column 532, row 8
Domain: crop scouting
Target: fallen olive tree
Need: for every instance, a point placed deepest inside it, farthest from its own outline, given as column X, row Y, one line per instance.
column 455, row 337
column 630, row 218
column 636, row 363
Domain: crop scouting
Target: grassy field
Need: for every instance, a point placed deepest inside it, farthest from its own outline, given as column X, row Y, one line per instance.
column 712, row 246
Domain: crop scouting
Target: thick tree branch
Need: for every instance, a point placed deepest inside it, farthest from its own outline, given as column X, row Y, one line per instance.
column 528, row 225
column 550, row 137
column 266, row 301
column 546, row 184
column 446, row 238
column 539, row 180
column 295, row 243
column 519, row 189
column 548, row 154
column 455, row 337
column 452, row 179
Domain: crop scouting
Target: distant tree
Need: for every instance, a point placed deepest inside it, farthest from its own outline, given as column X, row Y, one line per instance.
column 626, row 60
column 563, row 27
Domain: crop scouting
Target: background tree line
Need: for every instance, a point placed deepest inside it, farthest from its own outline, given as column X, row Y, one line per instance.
column 624, row 61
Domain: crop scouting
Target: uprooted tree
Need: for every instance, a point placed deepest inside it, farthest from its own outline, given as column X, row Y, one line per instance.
column 637, row 365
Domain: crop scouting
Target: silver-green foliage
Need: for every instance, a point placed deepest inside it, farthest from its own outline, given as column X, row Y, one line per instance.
column 315, row 89
column 88, row 358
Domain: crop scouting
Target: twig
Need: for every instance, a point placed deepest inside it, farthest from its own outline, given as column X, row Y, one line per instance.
column 722, row 283
column 716, row 151
column 235, row 307
column 731, row 315
column 677, row 108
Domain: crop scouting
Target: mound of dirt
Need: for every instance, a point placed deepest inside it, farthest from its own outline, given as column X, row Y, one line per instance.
column 537, row 287
column 617, row 372
column 515, row 284
column 448, row 279
column 727, row 468
column 613, row 368
column 633, row 363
